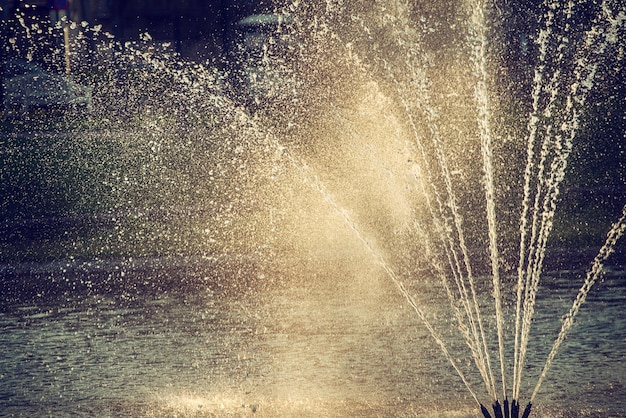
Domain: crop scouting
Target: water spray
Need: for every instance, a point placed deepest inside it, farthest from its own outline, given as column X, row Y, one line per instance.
column 443, row 201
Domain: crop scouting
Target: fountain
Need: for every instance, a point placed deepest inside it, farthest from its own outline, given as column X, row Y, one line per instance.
column 416, row 146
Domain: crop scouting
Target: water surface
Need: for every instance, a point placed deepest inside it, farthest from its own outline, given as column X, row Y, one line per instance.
column 323, row 347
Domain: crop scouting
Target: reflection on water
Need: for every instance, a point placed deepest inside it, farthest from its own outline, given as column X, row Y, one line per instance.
column 318, row 349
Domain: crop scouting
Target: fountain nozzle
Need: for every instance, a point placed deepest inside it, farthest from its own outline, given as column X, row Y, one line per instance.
column 485, row 411
column 515, row 409
column 497, row 409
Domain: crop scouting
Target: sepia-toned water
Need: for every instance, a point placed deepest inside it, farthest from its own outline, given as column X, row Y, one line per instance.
column 322, row 348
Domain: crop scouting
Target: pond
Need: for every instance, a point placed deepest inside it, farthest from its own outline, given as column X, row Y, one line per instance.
column 322, row 347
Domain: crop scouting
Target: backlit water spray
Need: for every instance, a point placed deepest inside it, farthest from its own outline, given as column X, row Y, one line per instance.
column 393, row 115
column 556, row 142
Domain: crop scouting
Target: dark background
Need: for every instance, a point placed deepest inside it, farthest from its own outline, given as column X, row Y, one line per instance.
column 196, row 27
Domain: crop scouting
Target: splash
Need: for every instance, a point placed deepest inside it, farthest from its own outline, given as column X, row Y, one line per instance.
column 394, row 107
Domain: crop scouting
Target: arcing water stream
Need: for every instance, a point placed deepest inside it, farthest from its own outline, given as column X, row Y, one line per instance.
column 386, row 118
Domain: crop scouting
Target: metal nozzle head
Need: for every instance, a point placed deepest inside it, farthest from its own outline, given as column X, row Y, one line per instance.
column 485, row 411
column 526, row 413
column 497, row 409
column 514, row 409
